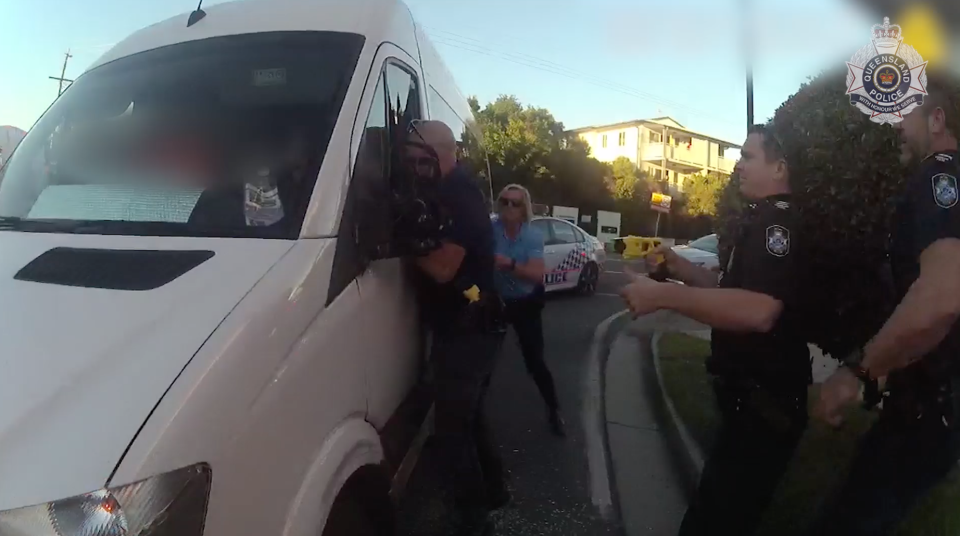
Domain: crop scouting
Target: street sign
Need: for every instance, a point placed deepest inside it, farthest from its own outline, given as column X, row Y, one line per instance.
column 660, row 202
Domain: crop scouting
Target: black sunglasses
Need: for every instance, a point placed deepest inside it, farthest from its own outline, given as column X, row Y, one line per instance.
column 516, row 203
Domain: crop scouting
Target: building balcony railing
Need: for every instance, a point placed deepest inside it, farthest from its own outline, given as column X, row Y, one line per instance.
column 694, row 157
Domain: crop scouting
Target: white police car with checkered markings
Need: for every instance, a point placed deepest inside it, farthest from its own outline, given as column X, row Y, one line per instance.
column 572, row 258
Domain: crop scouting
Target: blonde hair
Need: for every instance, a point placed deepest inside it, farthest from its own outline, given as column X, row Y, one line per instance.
column 527, row 203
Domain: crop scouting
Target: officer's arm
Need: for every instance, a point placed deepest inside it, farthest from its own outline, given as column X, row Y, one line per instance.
column 533, row 269
column 768, row 280
column 931, row 306
column 728, row 309
column 924, row 316
column 469, row 220
column 443, row 264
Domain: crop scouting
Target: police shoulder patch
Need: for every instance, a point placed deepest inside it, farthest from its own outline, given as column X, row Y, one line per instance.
column 943, row 157
column 782, row 205
column 944, row 190
column 778, row 240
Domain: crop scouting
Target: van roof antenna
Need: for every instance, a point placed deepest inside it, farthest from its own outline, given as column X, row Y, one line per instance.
column 196, row 16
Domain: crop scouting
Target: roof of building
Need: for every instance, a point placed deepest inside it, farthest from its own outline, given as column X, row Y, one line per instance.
column 660, row 121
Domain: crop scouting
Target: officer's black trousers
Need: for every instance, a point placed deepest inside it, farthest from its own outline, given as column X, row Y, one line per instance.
column 526, row 317
column 899, row 460
column 462, row 361
column 751, row 453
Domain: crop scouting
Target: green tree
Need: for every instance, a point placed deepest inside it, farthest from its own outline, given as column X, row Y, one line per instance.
column 702, row 193
column 528, row 146
column 627, row 181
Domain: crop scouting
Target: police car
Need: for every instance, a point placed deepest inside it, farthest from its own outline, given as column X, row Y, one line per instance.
column 573, row 259
column 701, row 252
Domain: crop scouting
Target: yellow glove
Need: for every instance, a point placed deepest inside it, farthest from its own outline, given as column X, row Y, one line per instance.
column 472, row 294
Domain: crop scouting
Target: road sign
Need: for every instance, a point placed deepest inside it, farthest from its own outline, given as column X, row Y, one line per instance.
column 660, row 202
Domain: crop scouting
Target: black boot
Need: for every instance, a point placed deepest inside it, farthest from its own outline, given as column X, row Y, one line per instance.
column 557, row 425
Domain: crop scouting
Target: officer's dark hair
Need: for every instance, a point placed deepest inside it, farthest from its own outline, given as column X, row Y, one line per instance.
column 772, row 146
column 943, row 91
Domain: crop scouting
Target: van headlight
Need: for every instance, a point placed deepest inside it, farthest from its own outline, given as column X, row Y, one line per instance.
column 171, row 504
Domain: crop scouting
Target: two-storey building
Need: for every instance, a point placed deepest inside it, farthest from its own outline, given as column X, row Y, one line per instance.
column 662, row 148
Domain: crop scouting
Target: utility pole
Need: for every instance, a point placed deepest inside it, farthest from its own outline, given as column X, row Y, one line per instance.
column 748, row 55
column 63, row 74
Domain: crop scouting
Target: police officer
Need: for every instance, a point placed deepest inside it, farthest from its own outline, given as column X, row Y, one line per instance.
column 760, row 362
column 914, row 356
column 460, row 306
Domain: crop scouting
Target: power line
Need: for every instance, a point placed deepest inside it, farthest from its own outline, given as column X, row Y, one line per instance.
column 527, row 60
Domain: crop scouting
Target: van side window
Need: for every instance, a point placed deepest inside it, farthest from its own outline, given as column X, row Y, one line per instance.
column 469, row 147
column 367, row 210
column 404, row 97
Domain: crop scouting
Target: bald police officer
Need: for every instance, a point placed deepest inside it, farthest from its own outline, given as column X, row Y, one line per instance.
column 915, row 356
column 760, row 362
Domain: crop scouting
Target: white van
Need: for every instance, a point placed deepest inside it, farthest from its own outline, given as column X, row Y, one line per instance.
column 202, row 329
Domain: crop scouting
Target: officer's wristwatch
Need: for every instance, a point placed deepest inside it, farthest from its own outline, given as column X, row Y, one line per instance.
column 869, row 387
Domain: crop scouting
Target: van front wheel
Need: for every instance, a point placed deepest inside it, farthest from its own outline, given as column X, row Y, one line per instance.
column 363, row 508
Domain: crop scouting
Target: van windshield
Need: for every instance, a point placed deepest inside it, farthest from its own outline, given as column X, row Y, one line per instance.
column 217, row 137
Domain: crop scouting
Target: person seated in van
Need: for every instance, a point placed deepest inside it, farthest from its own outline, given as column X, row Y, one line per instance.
column 519, row 279
column 464, row 350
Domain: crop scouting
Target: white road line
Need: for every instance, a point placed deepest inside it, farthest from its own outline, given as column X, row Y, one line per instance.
column 611, row 272
column 593, row 421
column 608, row 294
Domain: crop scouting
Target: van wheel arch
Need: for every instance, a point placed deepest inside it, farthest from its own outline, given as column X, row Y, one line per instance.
column 363, row 507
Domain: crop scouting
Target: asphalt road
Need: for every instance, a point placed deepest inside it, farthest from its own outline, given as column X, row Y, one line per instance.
column 547, row 476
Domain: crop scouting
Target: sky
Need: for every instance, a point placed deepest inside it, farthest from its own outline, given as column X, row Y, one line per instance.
column 589, row 62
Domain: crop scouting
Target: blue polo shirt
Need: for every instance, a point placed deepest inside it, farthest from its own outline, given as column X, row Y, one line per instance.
column 528, row 244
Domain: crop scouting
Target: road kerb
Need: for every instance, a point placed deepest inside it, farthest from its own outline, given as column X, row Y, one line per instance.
column 594, row 420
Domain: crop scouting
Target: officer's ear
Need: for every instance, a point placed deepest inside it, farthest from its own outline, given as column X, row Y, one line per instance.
column 781, row 171
column 937, row 121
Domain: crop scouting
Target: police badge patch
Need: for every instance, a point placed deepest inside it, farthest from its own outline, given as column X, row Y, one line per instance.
column 778, row 240
column 944, row 190
column 943, row 158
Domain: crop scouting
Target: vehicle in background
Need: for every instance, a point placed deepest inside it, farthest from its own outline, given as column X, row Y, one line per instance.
column 573, row 259
column 703, row 251
column 211, row 333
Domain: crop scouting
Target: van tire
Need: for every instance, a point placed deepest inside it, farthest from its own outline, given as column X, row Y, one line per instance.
column 363, row 507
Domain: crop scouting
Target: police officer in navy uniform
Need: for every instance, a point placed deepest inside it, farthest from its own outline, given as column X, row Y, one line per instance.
column 760, row 361
column 915, row 357
column 461, row 307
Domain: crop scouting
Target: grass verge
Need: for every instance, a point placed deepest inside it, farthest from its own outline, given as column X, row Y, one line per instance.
column 821, row 461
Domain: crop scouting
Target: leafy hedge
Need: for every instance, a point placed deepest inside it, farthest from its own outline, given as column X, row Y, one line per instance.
column 847, row 178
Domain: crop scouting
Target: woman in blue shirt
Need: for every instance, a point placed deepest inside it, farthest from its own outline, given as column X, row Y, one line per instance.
column 519, row 280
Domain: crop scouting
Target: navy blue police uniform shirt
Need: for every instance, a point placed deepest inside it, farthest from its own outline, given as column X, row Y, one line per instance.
column 469, row 227
column 765, row 259
column 928, row 211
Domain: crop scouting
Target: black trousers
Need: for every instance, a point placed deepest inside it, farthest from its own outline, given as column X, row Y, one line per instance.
column 899, row 460
column 462, row 361
column 760, row 431
column 526, row 317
